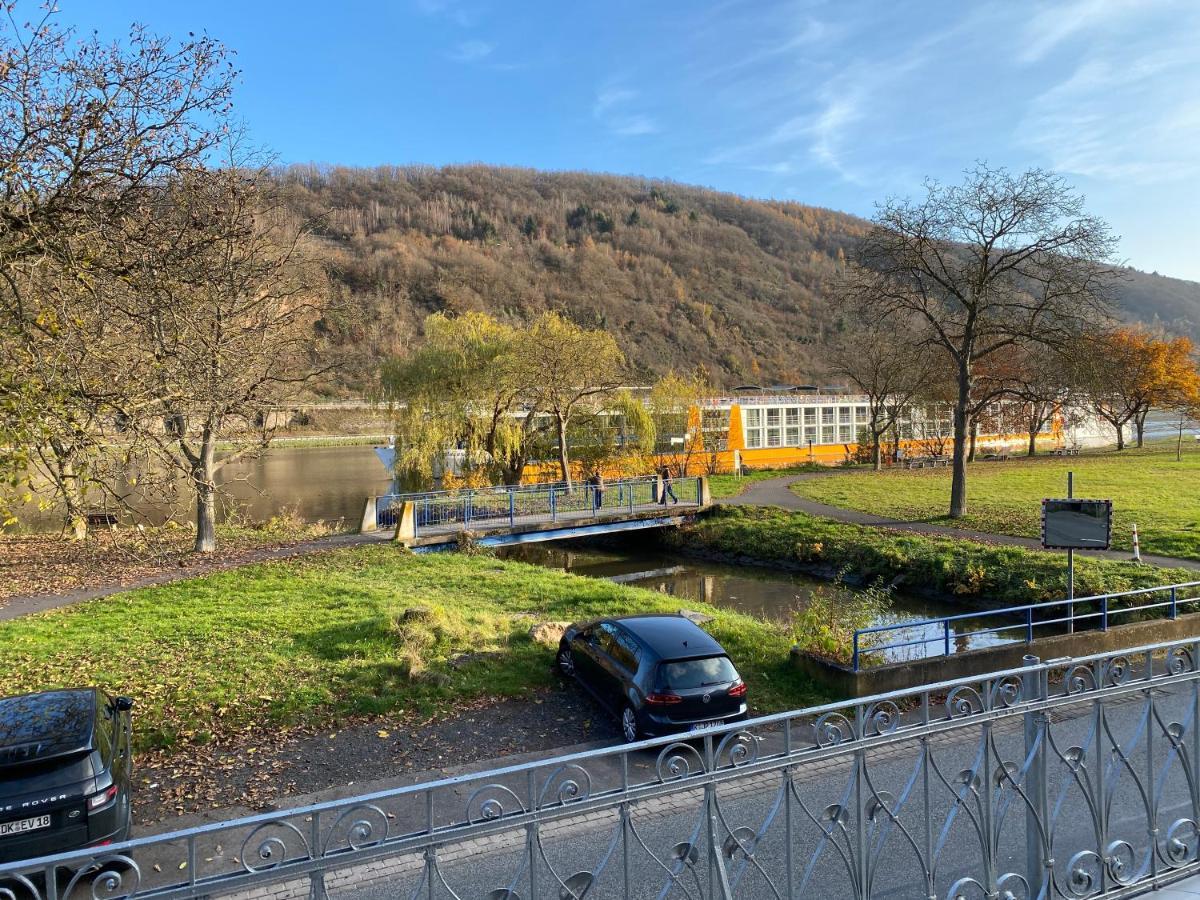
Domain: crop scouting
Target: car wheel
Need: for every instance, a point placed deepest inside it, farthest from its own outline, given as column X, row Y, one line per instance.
column 566, row 662
column 629, row 725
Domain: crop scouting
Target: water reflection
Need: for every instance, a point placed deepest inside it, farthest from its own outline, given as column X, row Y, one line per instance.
column 765, row 593
column 319, row 483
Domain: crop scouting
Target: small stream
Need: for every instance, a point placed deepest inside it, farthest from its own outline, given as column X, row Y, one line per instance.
column 765, row 593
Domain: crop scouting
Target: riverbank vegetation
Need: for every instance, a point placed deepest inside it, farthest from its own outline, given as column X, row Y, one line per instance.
column 825, row 624
column 356, row 631
column 970, row 570
column 1148, row 487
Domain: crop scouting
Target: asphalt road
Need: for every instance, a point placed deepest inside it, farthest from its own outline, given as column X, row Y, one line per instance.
column 818, row 867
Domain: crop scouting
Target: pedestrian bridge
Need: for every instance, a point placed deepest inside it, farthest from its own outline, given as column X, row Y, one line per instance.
column 520, row 514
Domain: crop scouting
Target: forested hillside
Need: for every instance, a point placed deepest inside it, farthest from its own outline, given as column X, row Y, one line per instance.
column 682, row 276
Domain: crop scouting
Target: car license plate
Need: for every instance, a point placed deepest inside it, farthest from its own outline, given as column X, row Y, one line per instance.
column 23, row 825
column 700, row 726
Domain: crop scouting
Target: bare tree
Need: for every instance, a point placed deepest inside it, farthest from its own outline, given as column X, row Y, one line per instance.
column 224, row 304
column 87, row 130
column 890, row 367
column 1037, row 376
column 997, row 261
column 572, row 366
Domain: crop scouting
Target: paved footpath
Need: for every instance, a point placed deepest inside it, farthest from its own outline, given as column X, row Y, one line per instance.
column 777, row 492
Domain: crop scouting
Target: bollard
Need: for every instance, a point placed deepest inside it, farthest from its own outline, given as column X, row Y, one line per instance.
column 1137, row 550
column 370, row 516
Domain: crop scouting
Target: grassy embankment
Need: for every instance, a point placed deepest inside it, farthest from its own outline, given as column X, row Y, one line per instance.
column 1147, row 487
column 303, row 641
column 972, row 570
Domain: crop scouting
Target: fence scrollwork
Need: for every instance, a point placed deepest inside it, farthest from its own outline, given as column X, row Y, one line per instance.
column 1083, row 787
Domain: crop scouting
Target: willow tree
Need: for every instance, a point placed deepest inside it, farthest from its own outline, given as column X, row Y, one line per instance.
column 999, row 261
column 617, row 434
column 468, row 387
column 674, row 404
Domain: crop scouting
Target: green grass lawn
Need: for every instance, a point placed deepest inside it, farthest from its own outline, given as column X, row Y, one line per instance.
column 1146, row 486
column 301, row 641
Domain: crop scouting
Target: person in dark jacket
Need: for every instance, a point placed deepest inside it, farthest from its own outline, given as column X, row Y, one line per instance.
column 597, row 483
column 667, row 489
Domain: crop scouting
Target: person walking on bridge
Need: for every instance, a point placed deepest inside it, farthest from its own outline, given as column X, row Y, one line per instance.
column 667, row 489
column 597, row 483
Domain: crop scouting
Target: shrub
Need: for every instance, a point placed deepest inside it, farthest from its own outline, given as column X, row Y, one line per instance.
column 826, row 622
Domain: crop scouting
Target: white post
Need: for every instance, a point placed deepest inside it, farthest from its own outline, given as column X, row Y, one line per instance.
column 1137, row 550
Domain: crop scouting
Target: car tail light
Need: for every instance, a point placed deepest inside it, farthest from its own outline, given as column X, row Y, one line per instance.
column 738, row 689
column 103, row 798
column 663, row 699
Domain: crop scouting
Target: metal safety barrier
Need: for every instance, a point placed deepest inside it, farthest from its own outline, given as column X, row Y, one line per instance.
column 939, row 636
column 514, row 505
column 1064, row 779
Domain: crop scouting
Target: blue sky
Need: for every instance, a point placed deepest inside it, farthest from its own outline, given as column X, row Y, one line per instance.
column 836, row 104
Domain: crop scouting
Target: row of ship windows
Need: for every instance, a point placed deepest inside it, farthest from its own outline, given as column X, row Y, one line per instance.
column 780, row 426
column 791, row 437
column 790, row 415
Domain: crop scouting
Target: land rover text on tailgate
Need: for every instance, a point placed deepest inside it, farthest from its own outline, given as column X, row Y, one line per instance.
column 65, row 772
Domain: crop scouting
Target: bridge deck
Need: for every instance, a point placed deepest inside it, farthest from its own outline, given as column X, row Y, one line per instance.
column 536, row 512
column 575, row 523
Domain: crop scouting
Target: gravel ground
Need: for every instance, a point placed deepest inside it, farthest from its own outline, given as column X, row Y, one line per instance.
column 261, row 775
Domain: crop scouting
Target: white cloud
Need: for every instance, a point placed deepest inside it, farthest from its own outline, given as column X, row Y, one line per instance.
column 612, row 109
column 608, row 97
column 635, row 125
column 1128, row 112
column 1058, row 22
column 472, row 51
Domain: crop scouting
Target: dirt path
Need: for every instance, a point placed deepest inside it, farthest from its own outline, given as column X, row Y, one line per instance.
column 777, row 492
column 174, row 569
column 269, row 769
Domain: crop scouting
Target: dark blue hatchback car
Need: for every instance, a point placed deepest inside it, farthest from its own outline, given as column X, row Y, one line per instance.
column 659, row 674
column 65, row 772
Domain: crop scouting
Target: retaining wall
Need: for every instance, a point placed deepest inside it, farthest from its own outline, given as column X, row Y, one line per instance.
column 845, row 682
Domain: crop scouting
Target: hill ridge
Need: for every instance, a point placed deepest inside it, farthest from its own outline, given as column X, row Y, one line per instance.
column 684, row 276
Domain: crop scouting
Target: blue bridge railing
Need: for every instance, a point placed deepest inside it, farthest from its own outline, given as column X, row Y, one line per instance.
column 514, row 505
column 941, row 637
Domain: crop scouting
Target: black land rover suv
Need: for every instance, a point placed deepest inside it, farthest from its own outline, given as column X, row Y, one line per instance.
column 65, row 772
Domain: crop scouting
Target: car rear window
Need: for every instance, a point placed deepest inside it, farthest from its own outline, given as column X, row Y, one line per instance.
column 47, row 775
column 695, row 673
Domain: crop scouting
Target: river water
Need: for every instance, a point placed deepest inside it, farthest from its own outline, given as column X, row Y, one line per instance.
column 318, row 483
column 765, row 593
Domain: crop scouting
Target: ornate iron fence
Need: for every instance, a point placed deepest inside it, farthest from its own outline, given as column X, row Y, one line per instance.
column 1065, row 779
